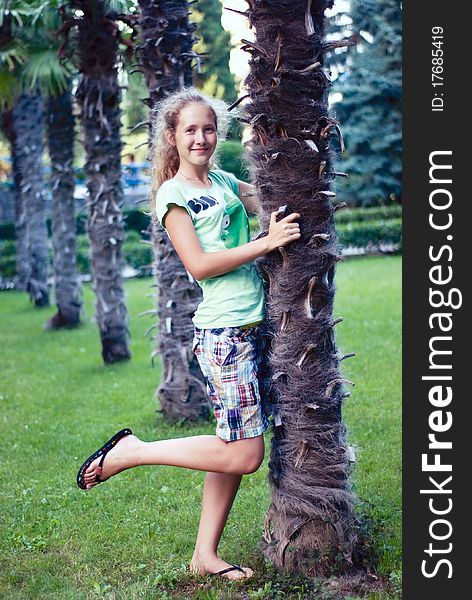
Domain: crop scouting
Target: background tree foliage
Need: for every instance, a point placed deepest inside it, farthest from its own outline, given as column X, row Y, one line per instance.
column 370, row 110
column 215, row 78
column 211, row 73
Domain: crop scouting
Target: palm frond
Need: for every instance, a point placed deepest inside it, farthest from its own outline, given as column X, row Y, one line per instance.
column 9, row 89
column 117, row 5
column 45, row 70
column 17, row 15
column 50, row 19
column 13, row 54
column 23, row 13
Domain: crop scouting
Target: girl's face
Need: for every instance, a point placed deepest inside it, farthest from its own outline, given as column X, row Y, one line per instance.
column 195, row 135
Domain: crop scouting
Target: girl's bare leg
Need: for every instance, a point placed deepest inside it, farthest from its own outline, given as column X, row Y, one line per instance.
column 200, row 452
column 225, row 463
column 219, row 492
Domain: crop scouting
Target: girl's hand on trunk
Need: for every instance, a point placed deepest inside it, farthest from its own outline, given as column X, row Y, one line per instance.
column 282, row 232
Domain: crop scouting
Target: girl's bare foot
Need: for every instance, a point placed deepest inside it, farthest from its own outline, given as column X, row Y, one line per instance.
column 204, row 564
column 120, row 457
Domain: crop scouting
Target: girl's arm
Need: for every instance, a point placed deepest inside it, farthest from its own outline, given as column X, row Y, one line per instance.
column 203, row 265
column 247, row 195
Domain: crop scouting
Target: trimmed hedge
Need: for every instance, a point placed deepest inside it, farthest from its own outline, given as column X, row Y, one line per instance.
column 7, row 231
column 135, row 219
column 360, row 230
column 136, row 254
column 83, row 258
column 138, row 220
column 354, row 215
column 360, row 234
column 370, row 233
column 7, row 259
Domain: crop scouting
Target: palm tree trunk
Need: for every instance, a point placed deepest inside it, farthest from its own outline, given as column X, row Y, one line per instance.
column 99, row 97
column 61, row 151
column 28, row 125
column 21, row 232
column 310, row 525
column 167, row 68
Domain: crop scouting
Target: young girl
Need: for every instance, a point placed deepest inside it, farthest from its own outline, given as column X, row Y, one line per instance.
column 204, row 212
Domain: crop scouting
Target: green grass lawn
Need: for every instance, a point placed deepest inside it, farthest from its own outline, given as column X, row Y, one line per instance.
column 133, row 536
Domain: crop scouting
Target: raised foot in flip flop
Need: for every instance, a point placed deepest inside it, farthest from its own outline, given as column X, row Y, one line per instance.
column 212, row 564
column 123, row 455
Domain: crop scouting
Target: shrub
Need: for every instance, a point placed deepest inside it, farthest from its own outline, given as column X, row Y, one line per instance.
column 83, row 258
column 230, row 158
column 132, row 236
column 138, row 256
column 351, row 215
column 81, row 224
column 358, row 227
column 7, row 267
column 363, row 234
column 7, row 247
column 7, row 231
column 7, row 259
column 136, row 220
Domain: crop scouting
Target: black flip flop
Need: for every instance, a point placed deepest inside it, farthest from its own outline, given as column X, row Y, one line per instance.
column 102, row 451
column 227, row 570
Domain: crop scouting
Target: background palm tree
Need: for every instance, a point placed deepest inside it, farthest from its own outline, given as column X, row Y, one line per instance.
column 310, row 525
column 60, row 130
column 165, row 53
column 53, row 76
column 25, row 132
column 21, row 231
column 99, row 97
column 13, row 54
column 28, row 120
column 34, row 62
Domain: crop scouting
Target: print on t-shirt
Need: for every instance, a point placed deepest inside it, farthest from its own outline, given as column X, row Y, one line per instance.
column 202, row 203
column 224, row 225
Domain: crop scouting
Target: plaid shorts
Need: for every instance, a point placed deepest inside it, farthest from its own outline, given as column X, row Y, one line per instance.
column 229, row 358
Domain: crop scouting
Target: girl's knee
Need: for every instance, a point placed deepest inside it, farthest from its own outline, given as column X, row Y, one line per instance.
column 253, row 464
column 247, row 455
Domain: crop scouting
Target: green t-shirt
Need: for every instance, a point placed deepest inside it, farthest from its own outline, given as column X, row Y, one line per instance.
column 220, row 221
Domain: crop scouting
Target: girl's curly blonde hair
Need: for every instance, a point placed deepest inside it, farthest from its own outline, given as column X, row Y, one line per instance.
column 164, row 118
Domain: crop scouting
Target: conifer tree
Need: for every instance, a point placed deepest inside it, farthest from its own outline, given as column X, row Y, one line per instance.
column 370, row 110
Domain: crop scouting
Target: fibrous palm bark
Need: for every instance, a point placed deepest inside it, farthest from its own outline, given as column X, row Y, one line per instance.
column 21, row 231
column 28, row 115
column 60, row 128
column 99, row 97
column 310, row 526
column 165, row 55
